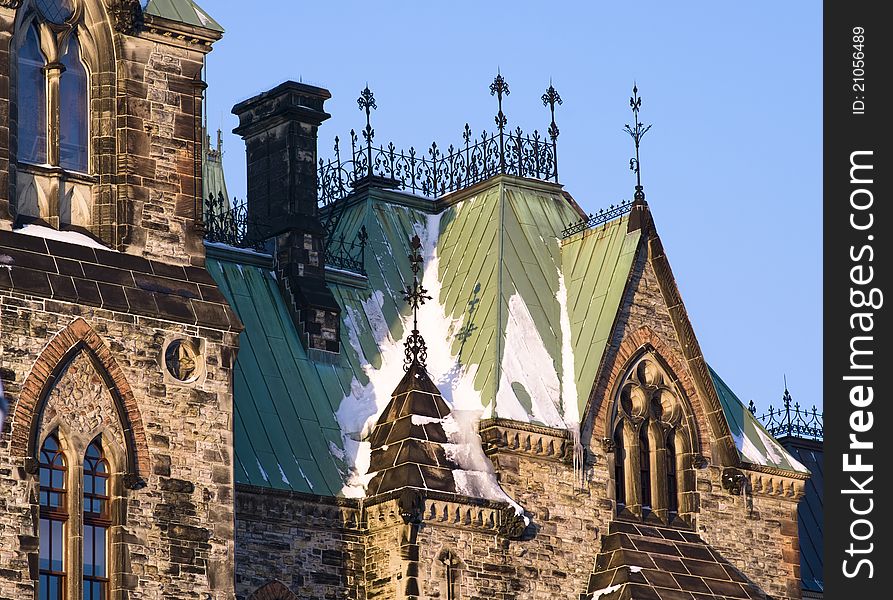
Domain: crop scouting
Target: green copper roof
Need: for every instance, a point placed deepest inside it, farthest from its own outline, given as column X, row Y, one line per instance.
column 754, row 443
column 182, row 11
column 517, row 328
column 507, row 293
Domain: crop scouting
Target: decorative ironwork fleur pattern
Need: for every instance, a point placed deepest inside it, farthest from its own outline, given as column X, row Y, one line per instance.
column 438, row 171
column 550, row 99
column 637, row 133
column 788, row 421
column 233, row 227
column 596, row 219
column 416, row 350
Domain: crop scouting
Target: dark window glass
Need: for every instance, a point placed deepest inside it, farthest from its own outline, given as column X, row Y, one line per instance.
column 73, row 110
column 645, row 467
column 56, row 11
column 53, row 515
column 619, row 475
column 96, row 523
column 672, row 484
column 32, row 100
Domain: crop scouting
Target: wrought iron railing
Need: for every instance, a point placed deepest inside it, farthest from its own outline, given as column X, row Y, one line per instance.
column 436, row 171
column 348, row 256
column 596, row 219
column 792, row 420
column 233, row 227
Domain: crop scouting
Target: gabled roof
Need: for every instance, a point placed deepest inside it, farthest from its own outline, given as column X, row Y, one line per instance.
column 517, row 329
column 181, row 11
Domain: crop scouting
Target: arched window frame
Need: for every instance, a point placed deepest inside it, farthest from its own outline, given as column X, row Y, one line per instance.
column 650, row 408
column 55, row 41
column 97, row 521
column 75, row 513
column 54, row 498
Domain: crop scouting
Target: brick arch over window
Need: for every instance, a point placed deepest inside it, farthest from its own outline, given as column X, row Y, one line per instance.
column 273, row 590
column 722, row 451
column 77, row 337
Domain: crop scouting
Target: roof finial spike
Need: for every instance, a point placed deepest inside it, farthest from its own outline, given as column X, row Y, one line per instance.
column 637, row 133
column 416, row 351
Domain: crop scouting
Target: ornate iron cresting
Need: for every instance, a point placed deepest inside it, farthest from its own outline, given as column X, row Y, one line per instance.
column 416, row 350
column 436, row 171
column 233, row 228
column 637, row 133
column 795, row 422
column 596, row 219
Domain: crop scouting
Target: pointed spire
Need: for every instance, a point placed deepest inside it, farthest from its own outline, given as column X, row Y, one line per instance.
column 416, row 350
column 637, row 133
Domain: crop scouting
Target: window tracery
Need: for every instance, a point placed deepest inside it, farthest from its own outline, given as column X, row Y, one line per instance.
column 652, row 433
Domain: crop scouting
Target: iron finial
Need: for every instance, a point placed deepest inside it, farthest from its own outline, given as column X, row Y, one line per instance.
column 500, row 88
column 416, row 351
column 366, row 102
column 637, row 133
column 550, row 99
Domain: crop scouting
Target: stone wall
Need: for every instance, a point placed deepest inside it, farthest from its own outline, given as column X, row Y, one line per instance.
column 173, row 537
column 311, row 545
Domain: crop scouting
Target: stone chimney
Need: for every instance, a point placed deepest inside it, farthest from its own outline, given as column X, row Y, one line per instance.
column 279, row 127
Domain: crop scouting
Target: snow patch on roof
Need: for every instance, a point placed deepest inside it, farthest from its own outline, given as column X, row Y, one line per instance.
column 361, row 407
column 527, row 373
column 604, row 591
column 262, row 472
column 69, row 237
column 282, row 474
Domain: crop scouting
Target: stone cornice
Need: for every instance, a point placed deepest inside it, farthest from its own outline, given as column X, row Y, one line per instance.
column 517, row 437
column 179, row 34
column 409, row 505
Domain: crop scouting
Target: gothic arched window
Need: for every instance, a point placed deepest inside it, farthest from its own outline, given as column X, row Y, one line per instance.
column 73, row 109
column 96, row 523
column 75, row 519
column 652, row 436
column 619, row 477
column 52, row 87
column 53, row 472
column 32, row 101
column 672, row 477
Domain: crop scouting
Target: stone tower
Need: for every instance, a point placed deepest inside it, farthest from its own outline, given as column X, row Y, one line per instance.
column 116, row 347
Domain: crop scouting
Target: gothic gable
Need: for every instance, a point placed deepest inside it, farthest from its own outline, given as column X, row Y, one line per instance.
column 652, row 317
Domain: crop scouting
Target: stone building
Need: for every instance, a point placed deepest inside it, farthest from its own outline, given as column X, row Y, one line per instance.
column 389, row 375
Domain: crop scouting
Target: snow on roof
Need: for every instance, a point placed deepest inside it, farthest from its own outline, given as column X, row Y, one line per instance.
column 69, row 237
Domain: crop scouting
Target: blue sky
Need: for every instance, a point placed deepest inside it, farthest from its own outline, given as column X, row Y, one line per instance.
column 731, row 167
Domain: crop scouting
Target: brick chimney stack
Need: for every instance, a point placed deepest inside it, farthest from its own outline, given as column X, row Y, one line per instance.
column 279, row 127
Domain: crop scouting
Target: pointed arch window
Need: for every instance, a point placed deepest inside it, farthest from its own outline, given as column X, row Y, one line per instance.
column 619, row 477
column 672, row 477
column 645, row 468
column 73, row 109
column 653, row 439
column 75, row 520
column 32, row 99
column 53, row 473
column 52, row 95
column 96, row 522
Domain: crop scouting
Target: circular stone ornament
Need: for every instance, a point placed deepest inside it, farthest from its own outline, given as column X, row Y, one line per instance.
column 57, row 12
column 183, row 361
